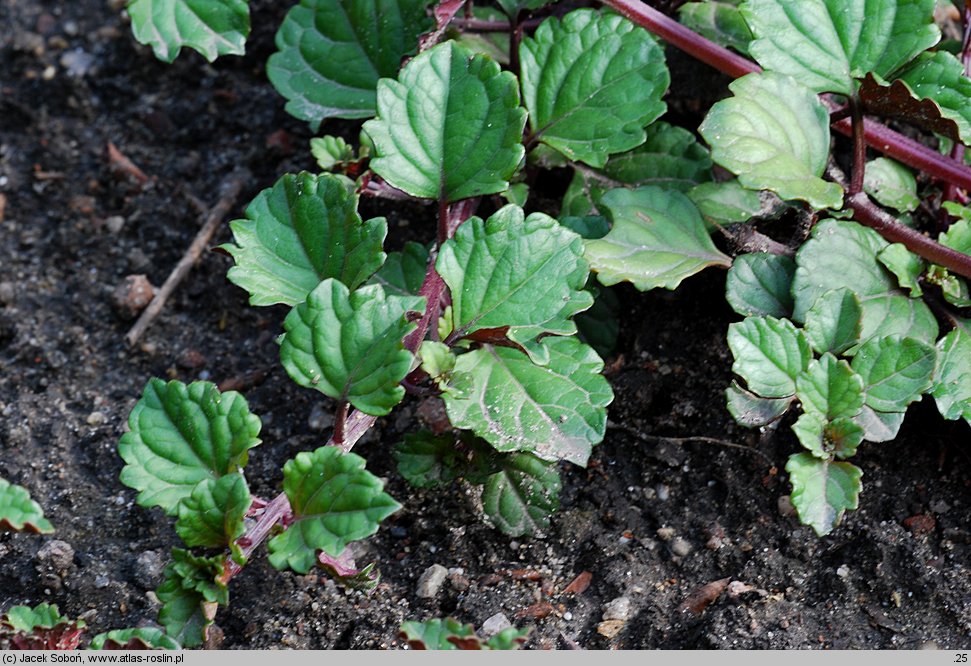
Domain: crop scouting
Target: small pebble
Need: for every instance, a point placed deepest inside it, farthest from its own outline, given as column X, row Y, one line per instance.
column 148, row 569
column 784, row 504
column 398, row 532
column 843, row 571
column 115, row 223
column 101, row 582
column 431, row 581
column 8, row 292
column 494, row 625
column 663, row 492
column 57, row 554
column 617, row 609
column 610, row 628
column 680, row 547
column 320, row 418
column 95, row 419
column 665, row 533
column 132, row 295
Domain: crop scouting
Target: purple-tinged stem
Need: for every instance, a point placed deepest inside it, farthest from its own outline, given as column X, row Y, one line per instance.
column 340, row 421
column 859, row 147
column 278, row 510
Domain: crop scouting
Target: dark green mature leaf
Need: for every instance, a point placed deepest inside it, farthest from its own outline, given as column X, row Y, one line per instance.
column 843, row 254
column 823, row 490
column 20, row 513
column 556, row 411
column 830, row 388
column 211, row 27
column 892, row 184
column 522, row 496
column 450, row 127
column 896, row 371
column 952, row 384
column 212, row 516
column 524, row 273
column 721, row 22
column 834, row 322
column 141, row 638
column 657, row 240
column 181, row 435
column 403, row 272
column 769, row 355
column 334, row 500
column 827, row 43
column 879, row 426
column 190, row 596
column 774, row 134
column 427, row 460
column 670, row 157
column 752, row 411
column 939, row 77
column 591, row 83
column 905, row 265
column 331, row 53
column 348, row 345
column 759, row 283
column 302, row 230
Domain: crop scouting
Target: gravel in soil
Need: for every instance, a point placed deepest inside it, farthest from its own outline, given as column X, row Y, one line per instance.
column 662, row 542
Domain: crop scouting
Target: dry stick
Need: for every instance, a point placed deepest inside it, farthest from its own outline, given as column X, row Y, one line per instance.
column 686, row 440
column 229, row 190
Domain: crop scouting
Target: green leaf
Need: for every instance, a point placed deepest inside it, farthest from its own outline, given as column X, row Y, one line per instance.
column 524, row 273
column 331, row 53
column 844, row 254
column 727, row 202
column 303, row 230
column 957, row 237
column 892, row 184
column 212, row 516
column 403, row 272
column 823, row 490
column 434, row 634
column 954, row 289
column 556, row 411
column 827, row 43
column 181, row 435
column 879, row 426
column 774, row 134
column 830, row 388
column 450, row 127
column 348, row 345
column 211, row 27
column 190, row 596
column 591, row 84
column 334, row 501
column 509, row 638
column 588, row 226
column 141, row 638
column 579, row 196
column 657, row 240
column 518, row 194
column 758, row 284
column 896, row 371
column 952, row 384
column 26, row 619
column 437, row 361
column 904, row 264
column 599, row 326
column 939, row 77
column 769, row 354
column 825, row 439
column 670, row 157
column 833, row 323
column 427, row 460
column 522, row 496
column 513, row 7
column 721, row 22
column 20, row 513
column 752, row 411
column 331, row 152
column 344, row 572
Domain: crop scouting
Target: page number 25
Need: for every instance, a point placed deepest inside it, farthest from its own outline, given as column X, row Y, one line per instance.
column 961, row 658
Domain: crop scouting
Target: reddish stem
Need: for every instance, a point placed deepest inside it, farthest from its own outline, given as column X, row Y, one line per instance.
column 859, row 146
column 276, row 511
column 340, row 421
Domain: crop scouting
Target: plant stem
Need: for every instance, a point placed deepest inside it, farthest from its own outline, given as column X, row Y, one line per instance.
column 859, row 146
column 340, row 420
column 276, row 511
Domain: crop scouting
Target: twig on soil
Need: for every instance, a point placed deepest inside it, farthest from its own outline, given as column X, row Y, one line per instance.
column 230, row 189
column 685, row 440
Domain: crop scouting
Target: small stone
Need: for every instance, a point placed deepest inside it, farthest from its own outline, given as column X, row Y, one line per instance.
column 680, row 547
column 57, row 554
column 398, row 532
column 928, row 645
column 132, row 295
column 843, row 571
column 430, row 582
column 115, row 223
column 148, row 570
column 191, row 359
column 663, row 492
column 95, row 419
column 494, row 625
column 8, row 293
column 617, row 609
column 77, row 62
column 101, row 581
column 665, row 533
column 320, row 419
column 784, row 505
column 610, row 628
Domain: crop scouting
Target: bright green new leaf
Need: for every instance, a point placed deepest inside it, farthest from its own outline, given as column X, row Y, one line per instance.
column 524, row 273
column 957, row 237
column 521, row 497
column 769, row 354
column 823, row 490
column 905, row 265
column 181, row 435
column 952, row 384
column 591, row 84
column 834, row 322
column 211, row 27
column 826, row 44
column 331, row 152
column 939, row 77
column 513, row 7
column 141, row 638
column 556, row 411
column 190, row 596
column 20, row 513
column 727, row 202
column 303, row 230
column 953, row 288
column 844, row 254
column 657, row 240
column 348, row 345
column 331, row 53
column 758, row 284
column 721, row 22
column 334, row 501
column 830, row 388
column 437, row 361
column 879, row 426
column 403, row 272
column 896, row 371
column 825, row 439
column 752, row 411
column 670, row 158
column 774, row 135
column 212, row 516
column 450, row 127
column 892, row 184
column 26, row 619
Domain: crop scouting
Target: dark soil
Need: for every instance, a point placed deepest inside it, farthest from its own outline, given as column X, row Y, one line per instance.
column 654, row 518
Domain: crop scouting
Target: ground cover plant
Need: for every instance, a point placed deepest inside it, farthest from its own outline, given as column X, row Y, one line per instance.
column 844, row 303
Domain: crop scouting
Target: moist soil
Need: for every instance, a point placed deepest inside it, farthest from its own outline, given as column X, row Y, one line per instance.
column 675, row 499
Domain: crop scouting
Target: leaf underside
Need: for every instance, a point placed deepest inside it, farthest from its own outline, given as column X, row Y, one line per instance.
column 822, row 490
column 522, row 496
column 211, row 27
